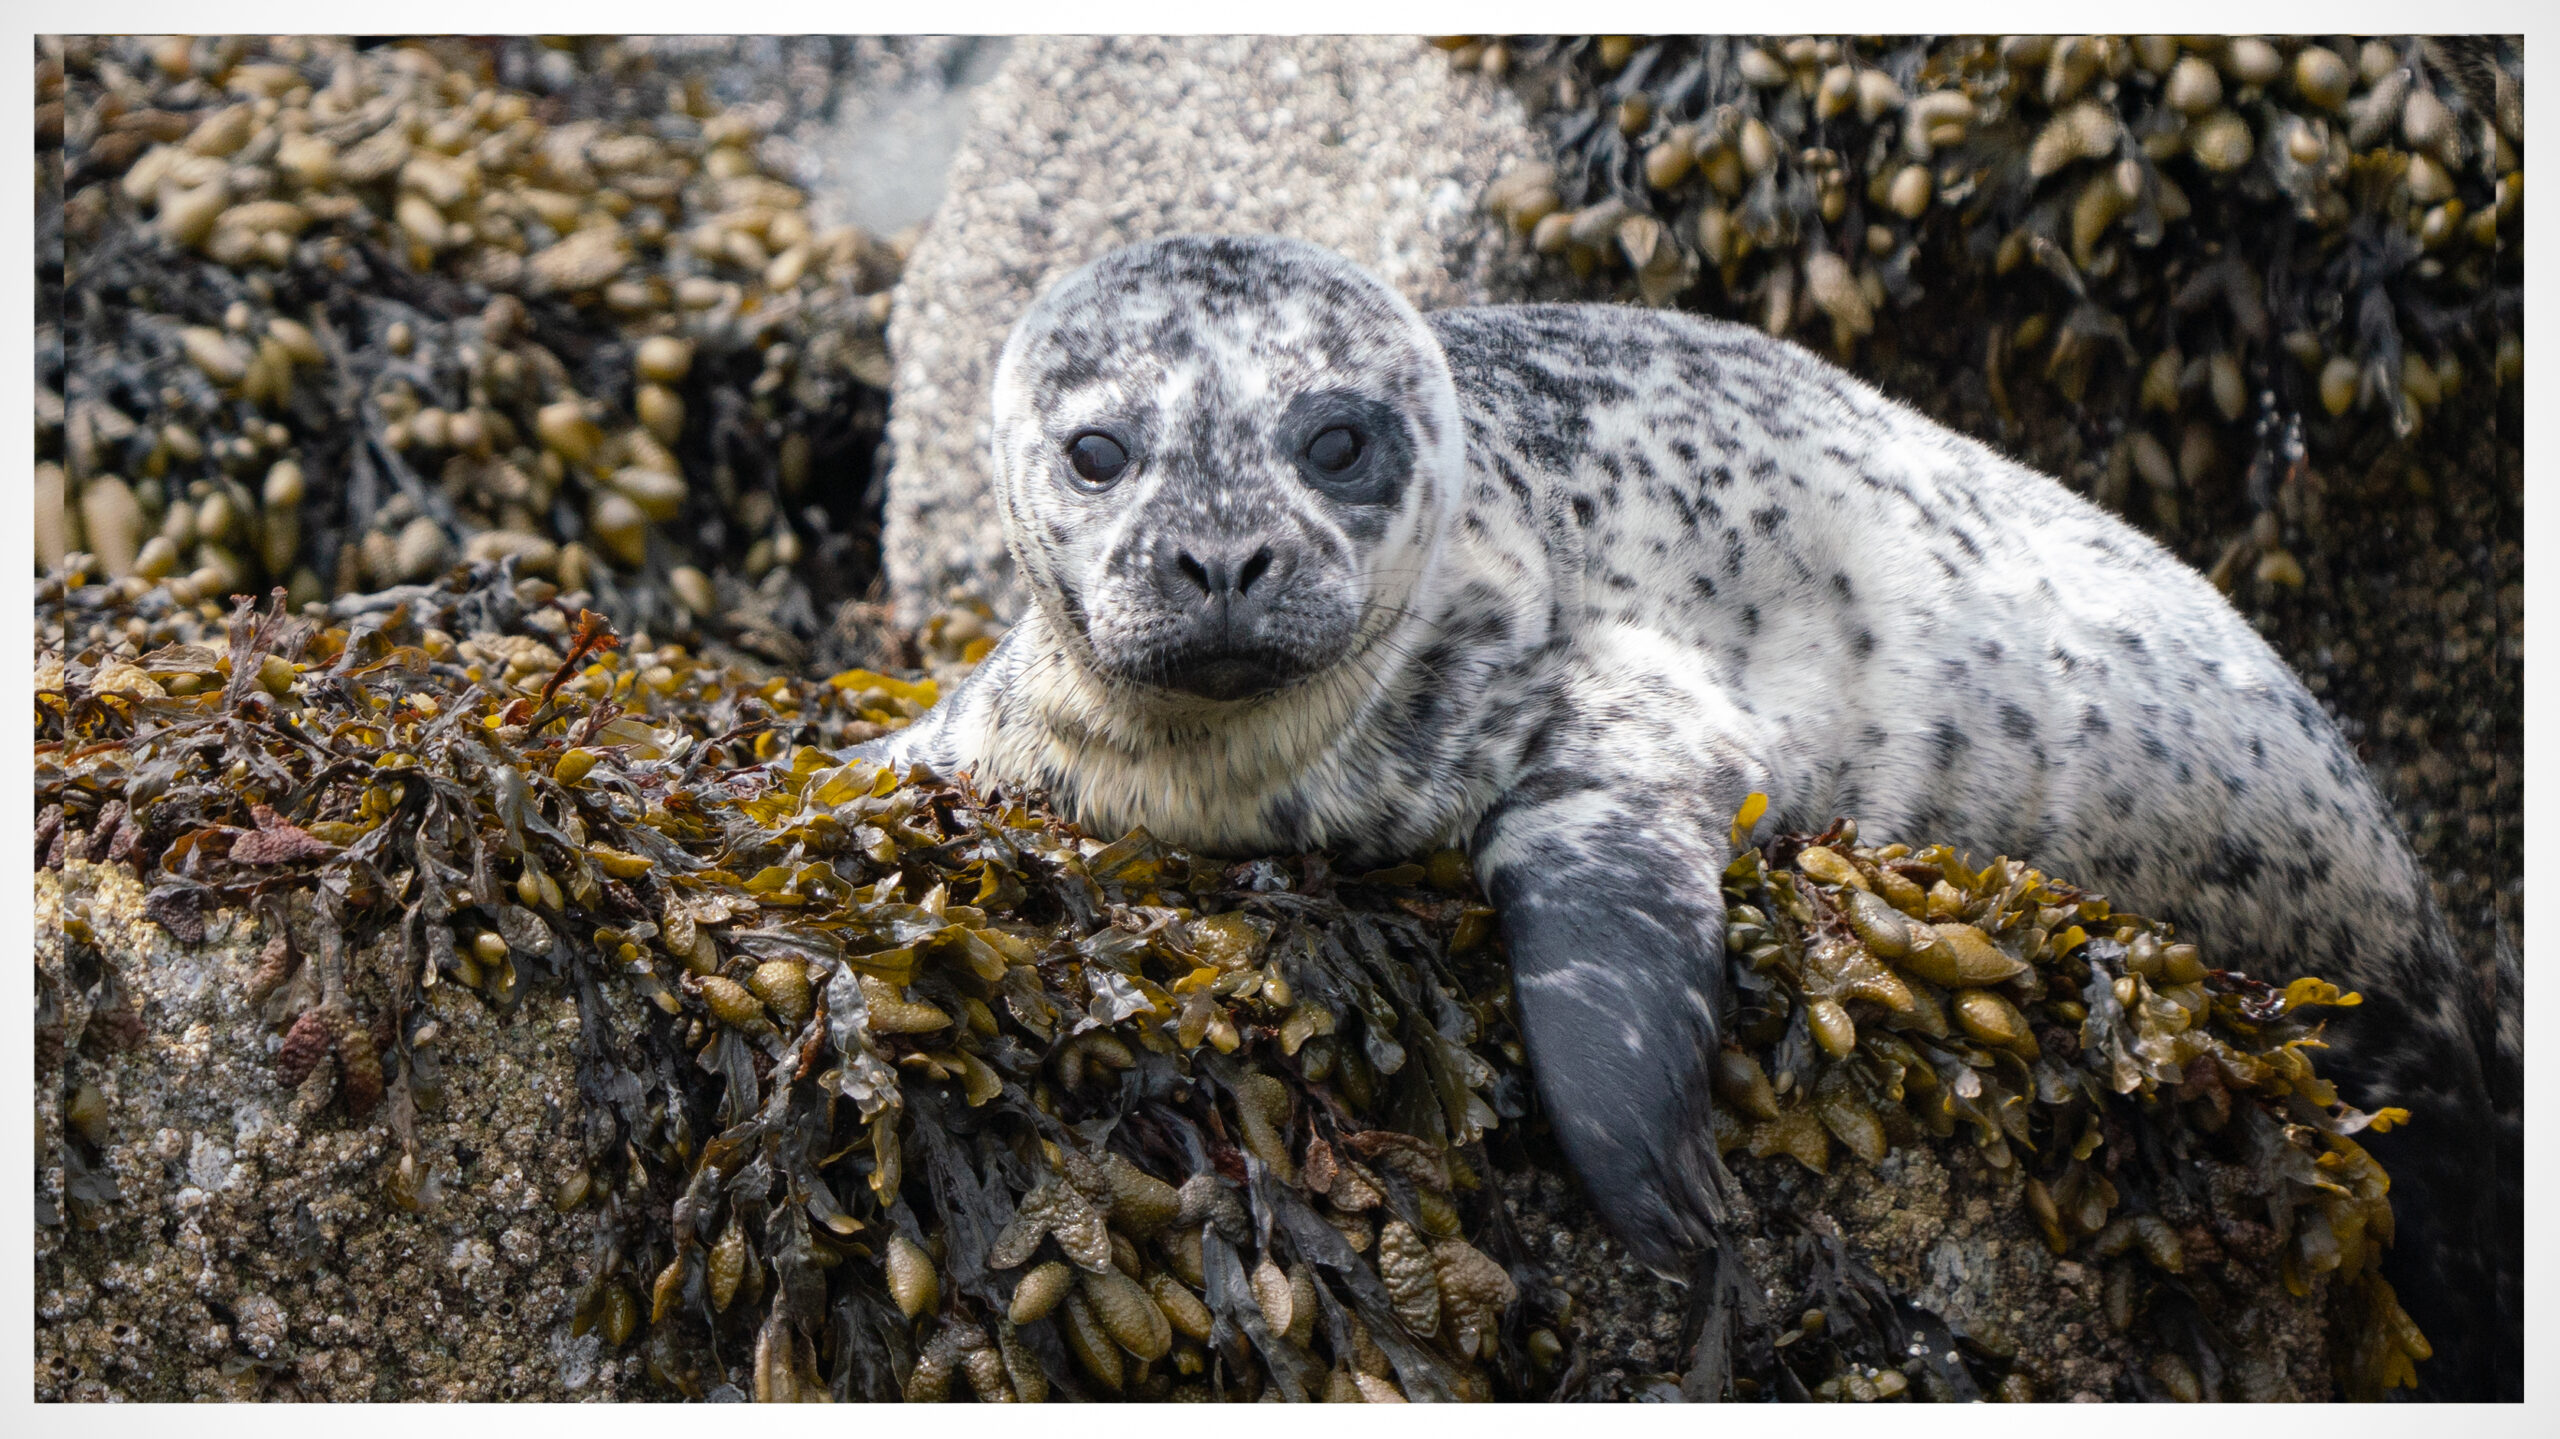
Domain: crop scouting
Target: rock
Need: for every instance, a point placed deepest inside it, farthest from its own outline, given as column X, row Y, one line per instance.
column 882, row 159
column 253, row 1249
column 1368, row 144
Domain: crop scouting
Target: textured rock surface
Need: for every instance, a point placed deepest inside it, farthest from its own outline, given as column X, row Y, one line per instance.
column 254, row 1252
column 1080, row 145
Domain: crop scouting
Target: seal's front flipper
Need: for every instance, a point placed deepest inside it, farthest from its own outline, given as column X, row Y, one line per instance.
column 1608, row 880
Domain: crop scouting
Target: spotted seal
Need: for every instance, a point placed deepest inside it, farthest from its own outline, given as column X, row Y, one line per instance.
column 1564, row 584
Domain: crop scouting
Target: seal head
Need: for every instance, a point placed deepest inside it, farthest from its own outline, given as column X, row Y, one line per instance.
column 1222, row 464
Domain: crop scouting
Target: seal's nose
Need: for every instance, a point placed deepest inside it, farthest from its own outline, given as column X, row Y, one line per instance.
column 1212, row 575
column 1219, row 592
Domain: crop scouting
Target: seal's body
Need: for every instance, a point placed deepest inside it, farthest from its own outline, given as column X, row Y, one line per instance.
column 1565, row 584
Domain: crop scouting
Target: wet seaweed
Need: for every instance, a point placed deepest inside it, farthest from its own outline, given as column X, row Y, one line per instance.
column 2165, row 1117
column 894, row 1087
column 336, row 317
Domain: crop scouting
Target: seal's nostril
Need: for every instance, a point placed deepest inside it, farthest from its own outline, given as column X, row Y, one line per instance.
column 1192, row 571
column 1253, row 569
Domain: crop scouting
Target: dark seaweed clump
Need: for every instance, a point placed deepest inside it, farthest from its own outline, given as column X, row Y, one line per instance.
column 930, row 1094
column 332, row 317
column 2164, row 1116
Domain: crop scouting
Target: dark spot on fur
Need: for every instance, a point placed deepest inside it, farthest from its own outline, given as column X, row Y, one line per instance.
column 1947, row 740
column 2235, row 861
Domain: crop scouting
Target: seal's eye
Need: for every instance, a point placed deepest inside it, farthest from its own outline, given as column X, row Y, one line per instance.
column 1352, row 449
column 1335, row 450
column 1098, row 458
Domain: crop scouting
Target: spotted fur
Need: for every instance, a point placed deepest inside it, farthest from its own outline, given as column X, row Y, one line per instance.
column 1643, row 565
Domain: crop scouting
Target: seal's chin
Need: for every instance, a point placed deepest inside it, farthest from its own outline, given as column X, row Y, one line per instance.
column 1219, row 673
column 1227, row 676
